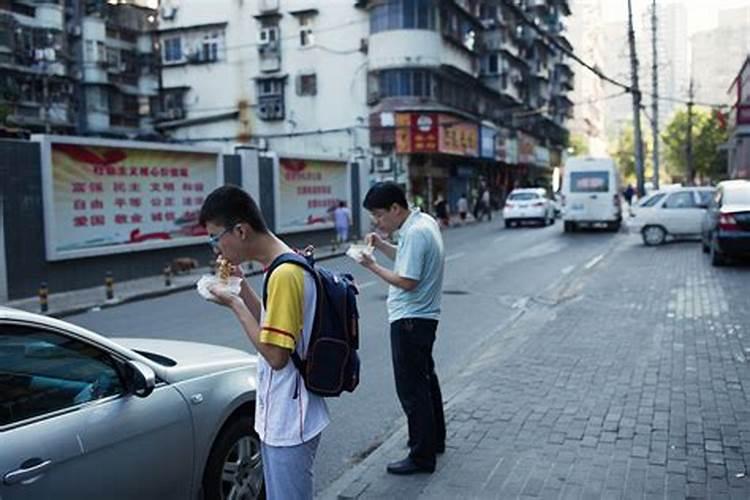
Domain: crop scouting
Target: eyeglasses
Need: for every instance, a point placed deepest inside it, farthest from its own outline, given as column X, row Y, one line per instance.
column 214, row 240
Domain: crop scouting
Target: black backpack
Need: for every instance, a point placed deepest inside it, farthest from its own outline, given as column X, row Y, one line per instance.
column 331, row 364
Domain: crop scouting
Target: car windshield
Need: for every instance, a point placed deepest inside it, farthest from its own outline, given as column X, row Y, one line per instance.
column 589, row 182
column 737, row 196
column 523, row 196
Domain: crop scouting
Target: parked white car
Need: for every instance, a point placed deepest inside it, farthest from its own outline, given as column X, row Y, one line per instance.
column 529, row 204
column 673, row 213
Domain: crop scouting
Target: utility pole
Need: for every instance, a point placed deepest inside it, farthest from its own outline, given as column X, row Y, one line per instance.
column 635, row 90
column 655, row 91
column 689, row 147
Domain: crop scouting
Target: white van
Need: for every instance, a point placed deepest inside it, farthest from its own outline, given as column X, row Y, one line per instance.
column 591, row 193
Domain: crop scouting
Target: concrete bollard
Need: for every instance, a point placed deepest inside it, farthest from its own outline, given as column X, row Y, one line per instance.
column 43, row 297
column 168, row 275
column 109, row 285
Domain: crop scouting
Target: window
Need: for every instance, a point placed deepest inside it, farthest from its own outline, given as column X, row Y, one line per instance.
column 113, row 58
column 270, row 93
column 684, row 199
column 210, row 48
column 737, row 195
column 307, row 84
column 492, row 66
column 270, row 86
column 403, row 14
column 523, row 197
column 405, row 82
column 705, row 197
column 43, row 372
column 306, row 37
column 589, row 182
column 90, row 51
column 172, row 50
column 652, row 200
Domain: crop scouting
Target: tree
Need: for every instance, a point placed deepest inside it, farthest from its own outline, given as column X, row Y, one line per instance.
column 578, row 145
column 623, row 152
column 708, row 135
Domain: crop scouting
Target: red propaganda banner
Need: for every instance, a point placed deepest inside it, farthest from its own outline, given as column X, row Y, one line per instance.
column 104, row 197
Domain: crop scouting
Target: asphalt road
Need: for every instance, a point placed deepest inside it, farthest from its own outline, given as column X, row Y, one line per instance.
column 490, row 273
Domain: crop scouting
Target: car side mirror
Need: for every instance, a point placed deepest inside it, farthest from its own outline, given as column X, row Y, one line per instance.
column 141, row 379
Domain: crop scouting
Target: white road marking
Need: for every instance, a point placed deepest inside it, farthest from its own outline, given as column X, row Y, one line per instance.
column 455, row 256
column 366, row 284
column 568, row 270
column 594, row 261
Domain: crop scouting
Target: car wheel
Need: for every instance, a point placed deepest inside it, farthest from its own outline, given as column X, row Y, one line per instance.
column 234, row 468
column 614, row 226
column 566, row 226
column 717, row 259
column 653, row 235
column 704, row 245
column 507, row 224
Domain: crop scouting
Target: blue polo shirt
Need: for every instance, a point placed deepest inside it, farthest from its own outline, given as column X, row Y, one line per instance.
column 419, row 256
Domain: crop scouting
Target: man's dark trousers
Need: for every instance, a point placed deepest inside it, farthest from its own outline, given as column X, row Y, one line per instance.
column 417, row 387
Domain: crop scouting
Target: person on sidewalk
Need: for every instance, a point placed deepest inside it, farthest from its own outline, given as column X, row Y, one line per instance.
column 288, row 419
column 441, row 211
column 342, row 218
column 416, row 283
column 486, row 205
column 463, row 208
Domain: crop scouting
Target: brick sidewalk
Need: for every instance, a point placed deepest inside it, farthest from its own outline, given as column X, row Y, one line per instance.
column 636, row 386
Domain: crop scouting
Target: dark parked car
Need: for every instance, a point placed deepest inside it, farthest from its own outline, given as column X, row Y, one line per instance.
column 726, row 225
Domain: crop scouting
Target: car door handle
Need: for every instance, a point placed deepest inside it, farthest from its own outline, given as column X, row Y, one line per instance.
column 25, row 473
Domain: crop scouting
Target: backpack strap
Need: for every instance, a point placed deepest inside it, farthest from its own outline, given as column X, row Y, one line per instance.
column 306, row 263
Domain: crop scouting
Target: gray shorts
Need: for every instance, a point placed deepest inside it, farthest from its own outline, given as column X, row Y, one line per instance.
column 288, row 470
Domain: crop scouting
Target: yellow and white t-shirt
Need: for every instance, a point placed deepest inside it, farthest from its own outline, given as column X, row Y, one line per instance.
column 286, row 414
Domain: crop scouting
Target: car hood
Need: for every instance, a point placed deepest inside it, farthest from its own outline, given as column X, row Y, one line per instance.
column 176, row 360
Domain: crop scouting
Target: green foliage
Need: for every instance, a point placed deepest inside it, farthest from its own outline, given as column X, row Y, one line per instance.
column 707, row 134
column 623, row 152
column 578, row 144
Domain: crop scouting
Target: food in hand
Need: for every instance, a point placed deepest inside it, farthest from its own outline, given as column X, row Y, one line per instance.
column 225, row 268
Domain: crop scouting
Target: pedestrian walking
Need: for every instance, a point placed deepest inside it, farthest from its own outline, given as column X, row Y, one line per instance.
column 342, row 218
column 441, row 211
column 288, row 419
column 486, row 205
column 414, row 294
column 463, row 208
column 628, row 194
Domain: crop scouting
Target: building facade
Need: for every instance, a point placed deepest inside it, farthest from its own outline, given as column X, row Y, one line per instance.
column 738, row 145
column 287, row 77
column 731, row 40
column 78, row 67
column 466, row 95
column 588, row 37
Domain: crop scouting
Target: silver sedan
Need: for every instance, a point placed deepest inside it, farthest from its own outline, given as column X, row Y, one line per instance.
column 86, row 417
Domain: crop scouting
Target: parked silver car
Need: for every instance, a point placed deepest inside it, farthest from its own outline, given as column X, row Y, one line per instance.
column 85, row 417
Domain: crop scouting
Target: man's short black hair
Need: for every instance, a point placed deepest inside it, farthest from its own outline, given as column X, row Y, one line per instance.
column 383, row 195
column 229, row 205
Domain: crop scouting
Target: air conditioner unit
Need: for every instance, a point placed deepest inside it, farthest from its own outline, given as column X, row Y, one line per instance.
column 268, row 34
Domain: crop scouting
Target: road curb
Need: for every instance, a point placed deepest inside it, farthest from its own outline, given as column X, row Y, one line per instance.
column 152, row 294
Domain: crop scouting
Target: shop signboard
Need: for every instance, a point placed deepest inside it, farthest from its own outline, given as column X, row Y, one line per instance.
column 307, row 193
column 416, row 133
column 105, row 197
column 458, row 137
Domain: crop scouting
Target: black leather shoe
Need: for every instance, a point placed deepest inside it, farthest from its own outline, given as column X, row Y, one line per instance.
column 409, row 466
